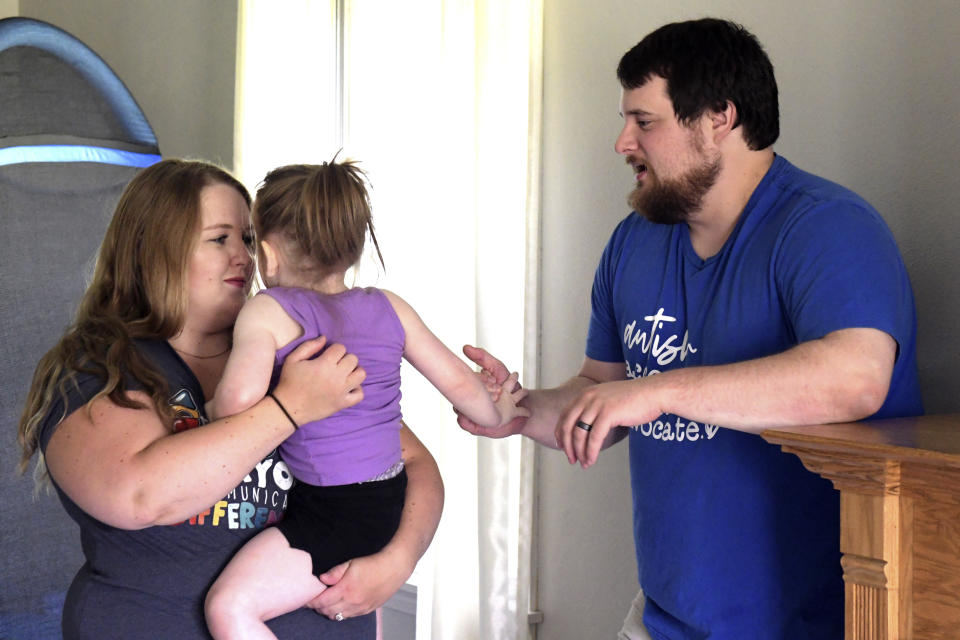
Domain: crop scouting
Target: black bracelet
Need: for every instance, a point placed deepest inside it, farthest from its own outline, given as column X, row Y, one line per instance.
column 282, row 408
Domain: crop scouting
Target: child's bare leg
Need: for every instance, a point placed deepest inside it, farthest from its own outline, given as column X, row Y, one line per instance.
column 266, row 578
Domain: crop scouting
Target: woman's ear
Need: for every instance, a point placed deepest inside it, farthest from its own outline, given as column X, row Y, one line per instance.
column 270, row 265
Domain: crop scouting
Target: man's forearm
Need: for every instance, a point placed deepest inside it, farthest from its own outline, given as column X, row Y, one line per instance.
column 843, row 377
column 546, row 406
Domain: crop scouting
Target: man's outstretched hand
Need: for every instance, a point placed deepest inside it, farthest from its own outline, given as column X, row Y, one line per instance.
column 494, row 374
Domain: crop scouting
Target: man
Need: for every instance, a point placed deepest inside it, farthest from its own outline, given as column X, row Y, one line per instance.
column 741, row 294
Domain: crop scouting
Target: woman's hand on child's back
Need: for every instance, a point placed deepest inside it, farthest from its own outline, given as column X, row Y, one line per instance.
column 313, row 388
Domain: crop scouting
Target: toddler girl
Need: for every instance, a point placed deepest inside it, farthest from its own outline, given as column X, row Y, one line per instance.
column 310, row 223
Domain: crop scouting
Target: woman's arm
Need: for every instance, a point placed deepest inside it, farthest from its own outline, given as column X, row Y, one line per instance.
column 451, row 375
column 364, row 584
column 125, row 468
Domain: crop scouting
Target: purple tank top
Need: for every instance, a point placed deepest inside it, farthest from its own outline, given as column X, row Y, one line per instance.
column 363, row 441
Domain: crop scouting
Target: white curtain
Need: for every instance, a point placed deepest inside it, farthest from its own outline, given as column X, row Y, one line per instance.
column 440, row 101
column 287, row 102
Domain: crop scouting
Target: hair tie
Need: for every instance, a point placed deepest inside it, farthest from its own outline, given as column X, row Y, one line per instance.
column 282, row 408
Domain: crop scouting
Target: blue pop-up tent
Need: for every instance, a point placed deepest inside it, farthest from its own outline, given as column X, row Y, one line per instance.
column 71, row 137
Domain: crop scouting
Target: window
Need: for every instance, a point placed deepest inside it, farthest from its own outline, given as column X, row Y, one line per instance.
column 439, row 101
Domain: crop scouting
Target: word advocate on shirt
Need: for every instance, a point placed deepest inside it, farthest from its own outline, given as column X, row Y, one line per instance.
column 661, row 353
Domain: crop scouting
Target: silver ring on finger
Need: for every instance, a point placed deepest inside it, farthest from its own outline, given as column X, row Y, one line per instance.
column 338, row 617
column 583, row 425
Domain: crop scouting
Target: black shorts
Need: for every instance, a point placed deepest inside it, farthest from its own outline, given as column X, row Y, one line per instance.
column 342, row 522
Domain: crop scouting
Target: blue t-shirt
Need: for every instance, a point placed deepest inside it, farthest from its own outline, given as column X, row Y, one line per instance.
column 734, row 538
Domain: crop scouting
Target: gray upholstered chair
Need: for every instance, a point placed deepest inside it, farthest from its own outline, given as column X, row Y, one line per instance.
column 71, row 137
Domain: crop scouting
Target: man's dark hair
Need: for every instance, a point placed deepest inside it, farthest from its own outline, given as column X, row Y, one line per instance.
column 706, row 63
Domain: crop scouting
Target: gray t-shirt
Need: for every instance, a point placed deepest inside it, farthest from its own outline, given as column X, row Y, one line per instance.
column 151, row 583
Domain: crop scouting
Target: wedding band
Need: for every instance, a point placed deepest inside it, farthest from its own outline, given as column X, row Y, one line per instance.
column 338, row 617
column 583, row 425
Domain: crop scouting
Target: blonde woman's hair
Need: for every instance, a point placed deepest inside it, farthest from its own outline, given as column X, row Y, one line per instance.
column 138, row 290
column 322, row 212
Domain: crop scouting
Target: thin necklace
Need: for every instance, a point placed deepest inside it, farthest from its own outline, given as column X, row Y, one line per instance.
column 193, row 355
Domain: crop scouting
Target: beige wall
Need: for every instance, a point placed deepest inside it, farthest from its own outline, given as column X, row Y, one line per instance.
column 9, row 8
column 870, row 98
column 177, row 57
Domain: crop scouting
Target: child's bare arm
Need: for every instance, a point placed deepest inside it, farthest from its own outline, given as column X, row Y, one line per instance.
column 247, row 375
column 450, row 375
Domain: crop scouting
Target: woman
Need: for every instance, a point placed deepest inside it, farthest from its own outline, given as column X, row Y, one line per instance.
column 163, row 505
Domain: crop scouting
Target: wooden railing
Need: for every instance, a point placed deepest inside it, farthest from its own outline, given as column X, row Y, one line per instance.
column 899, row 483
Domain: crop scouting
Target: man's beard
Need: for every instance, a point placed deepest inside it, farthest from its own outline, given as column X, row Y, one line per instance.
column 675, row 200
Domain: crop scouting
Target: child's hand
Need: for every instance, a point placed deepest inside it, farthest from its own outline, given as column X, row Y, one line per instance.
column 506, row 396
column 490, row 383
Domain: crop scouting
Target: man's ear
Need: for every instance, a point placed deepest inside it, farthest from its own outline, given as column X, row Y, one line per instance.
column 270, row 264
column 721, row 122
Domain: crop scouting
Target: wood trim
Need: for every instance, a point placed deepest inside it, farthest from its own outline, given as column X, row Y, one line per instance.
column 899, row 483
